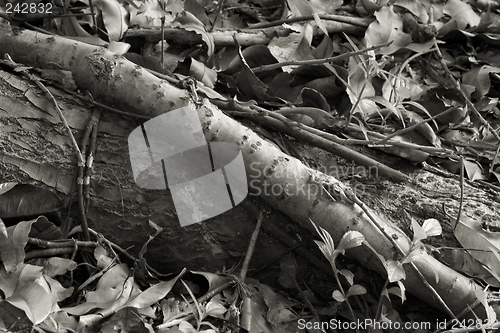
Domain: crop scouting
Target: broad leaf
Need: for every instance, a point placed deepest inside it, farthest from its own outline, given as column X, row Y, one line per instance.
column 348, row 275
column 432, row 227
column 114, row 17
column 418, row 233
column 154, row 293
column 461, row 260
column 5, row 187
column 349, row 240
column 479, row 78
column 12, row 247
column 474, row 170
column 338, row 296
column 479, row 242
column 395, row 271
column 388, row 27
column 462, row 13
column 356, row 290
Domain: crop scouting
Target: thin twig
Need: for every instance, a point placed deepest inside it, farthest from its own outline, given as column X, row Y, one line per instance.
column 318, row 61
column 27, row 19
column 80, row 180
column 251, row 248
column 60, row 243
column 306, row 299
column 461, row 193
column 338, row 18
column 217, row 14
column 90, row 159
column 94, row 21
column 494, row 159
column 123, row 251
column 50, row 252
column 433, row 291
column 411, row 128
column 323, row 140
column 102, row 106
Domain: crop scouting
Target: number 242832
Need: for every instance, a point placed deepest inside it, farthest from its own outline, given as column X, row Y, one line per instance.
column 31, row 8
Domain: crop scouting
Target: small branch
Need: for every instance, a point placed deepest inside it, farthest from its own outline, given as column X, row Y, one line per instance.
column 123, row 251
column 59, row 244
column 270, row 67
column 306, row 299
column 338, row 18
column 51, row 16
column 224, row 37
column 354, row 198
column 90, row 159
column 217, row 14
column 94, row 21
column 50, row 252
column 434, row 292
column 251, row 247
column 325, row 141
column 102, row 106
column 375, row 135
column 80, row 181
column 461, row 193
column 411, row 128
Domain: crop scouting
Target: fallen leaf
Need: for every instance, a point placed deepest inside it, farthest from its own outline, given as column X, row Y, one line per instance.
column 478, row 242
column 387, row 27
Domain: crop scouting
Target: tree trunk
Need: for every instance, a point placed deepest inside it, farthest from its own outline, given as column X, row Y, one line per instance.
column 120, row 208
